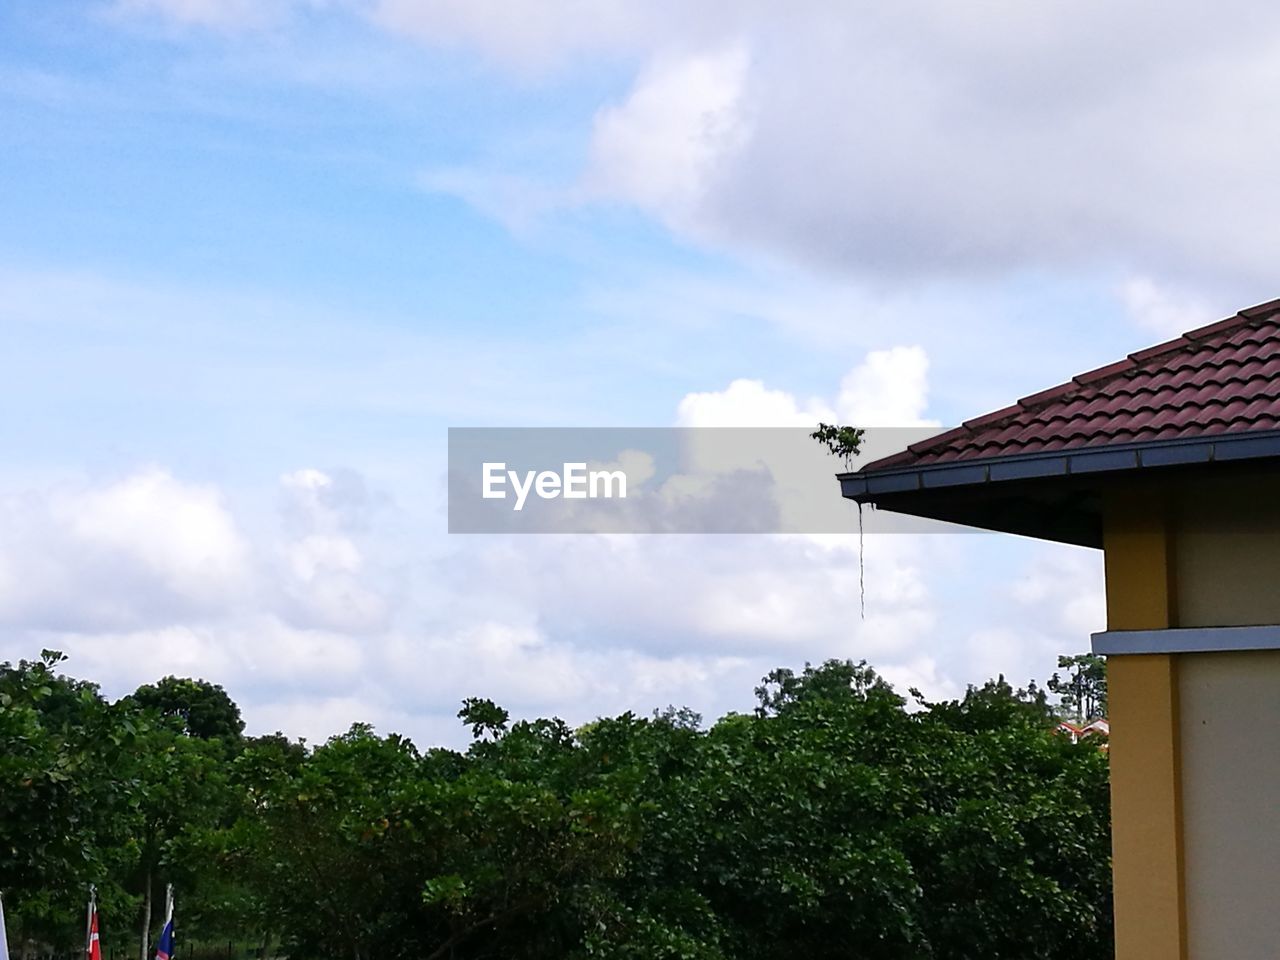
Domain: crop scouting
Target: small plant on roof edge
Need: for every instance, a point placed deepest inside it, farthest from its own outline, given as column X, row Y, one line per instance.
column 842, row 442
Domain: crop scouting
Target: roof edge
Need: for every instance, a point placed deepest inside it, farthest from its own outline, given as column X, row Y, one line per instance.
column 866, row 485
column 1249, row 316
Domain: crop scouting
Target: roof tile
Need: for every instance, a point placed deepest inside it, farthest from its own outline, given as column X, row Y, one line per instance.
column 1261, row 310
column 1212, row 329
column 1053, row 393
column 1160, row 348
column 1105, row 373
column 994, row 417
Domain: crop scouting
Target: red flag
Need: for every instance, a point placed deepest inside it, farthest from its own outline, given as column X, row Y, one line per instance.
column 93, row 950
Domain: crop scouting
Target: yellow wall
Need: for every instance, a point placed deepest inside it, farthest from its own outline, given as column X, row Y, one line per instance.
column 1195, row 770
column 1230, row 716
column 1146, row 816
column 1228, row 554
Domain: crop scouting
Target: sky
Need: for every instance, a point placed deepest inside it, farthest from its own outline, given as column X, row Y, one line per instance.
column 257, row 256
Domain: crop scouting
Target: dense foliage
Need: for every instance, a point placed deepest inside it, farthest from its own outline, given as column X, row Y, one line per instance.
column 1083, row 691
column 838, row 820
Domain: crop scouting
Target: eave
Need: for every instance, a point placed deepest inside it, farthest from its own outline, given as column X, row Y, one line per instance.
column 1054, row 495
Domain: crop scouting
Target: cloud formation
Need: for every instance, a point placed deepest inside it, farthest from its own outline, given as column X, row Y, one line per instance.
column 889, row 388
column 313, row 617
column 662, row 147
column 918, row 141
column 884, row 145
column 915, row 140
column 141, row 549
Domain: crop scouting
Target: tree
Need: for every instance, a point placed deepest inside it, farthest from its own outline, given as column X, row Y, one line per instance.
column 204, row 708
column 483, row 716
column 178, row 786
column 834, row 680
column 1084, row 691
column 63, row 803
column 833, row 822
column 838, row 819
column 179, row 781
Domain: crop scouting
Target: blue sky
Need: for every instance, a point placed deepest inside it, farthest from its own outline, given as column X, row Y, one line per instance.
column 256, row 258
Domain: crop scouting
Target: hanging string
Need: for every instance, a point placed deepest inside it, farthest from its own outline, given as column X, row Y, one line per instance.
column 862, row 573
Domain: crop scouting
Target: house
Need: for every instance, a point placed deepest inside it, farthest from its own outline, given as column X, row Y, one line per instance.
column 1167, row 460
column 1100, row 728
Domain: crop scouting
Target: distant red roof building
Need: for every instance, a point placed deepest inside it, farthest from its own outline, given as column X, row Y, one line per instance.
column 1098, row 729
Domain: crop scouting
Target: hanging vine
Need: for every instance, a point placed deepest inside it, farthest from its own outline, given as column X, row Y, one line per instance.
column 845, row 442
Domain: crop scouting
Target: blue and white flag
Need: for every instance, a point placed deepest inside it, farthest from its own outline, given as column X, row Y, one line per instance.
column 164, row 948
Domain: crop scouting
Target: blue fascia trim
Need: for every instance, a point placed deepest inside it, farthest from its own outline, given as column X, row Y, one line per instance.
column 1117, row 458
column 1187, row 640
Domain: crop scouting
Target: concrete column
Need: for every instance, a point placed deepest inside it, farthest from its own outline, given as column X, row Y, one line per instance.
column 1146, row 796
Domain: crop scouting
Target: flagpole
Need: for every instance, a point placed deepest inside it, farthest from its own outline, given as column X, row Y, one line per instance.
column 4, row 933
column 88, row 921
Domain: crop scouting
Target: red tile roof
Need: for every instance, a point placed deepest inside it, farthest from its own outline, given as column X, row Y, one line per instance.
column 1220, row 379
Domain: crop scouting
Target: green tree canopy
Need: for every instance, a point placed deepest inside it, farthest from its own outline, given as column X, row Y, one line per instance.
column 838, row 819
column 1083, row 691
column 204, row 708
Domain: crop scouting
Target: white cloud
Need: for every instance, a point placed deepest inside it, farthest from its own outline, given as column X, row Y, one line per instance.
column 1061, row 591
column 315, row 554
column 1048, row 605
column 154, row 557
column 149, row 574
column 324, row 578
column 659, row 147
column 145, row 548
column 890, row 388
column 1162, row 310
column 325, row 502
column 576, row 626
column 747, row 598
column 656, row 150
column 252, row 653
column 749, row 403
column 892, row 141
column 813, row 602
column 907, row 141
column 179, row 533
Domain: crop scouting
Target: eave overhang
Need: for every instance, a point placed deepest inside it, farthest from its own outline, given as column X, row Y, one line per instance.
column 1052, row 495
